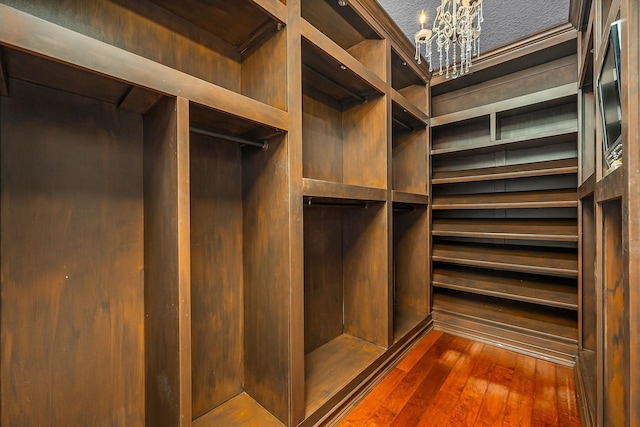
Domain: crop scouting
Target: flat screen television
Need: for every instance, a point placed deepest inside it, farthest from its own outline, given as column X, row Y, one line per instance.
column 609, row 94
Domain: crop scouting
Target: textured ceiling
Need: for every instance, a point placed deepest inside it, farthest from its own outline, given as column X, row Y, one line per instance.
column 504, row 20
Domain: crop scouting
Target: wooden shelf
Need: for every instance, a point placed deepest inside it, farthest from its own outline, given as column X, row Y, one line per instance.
column 333, row 72
column 539, row 290
column 410, row 198
column 345, row 28
column 333, row 366
column 610, row 186
column 405, row 112
column 334, row 190
column 241, row 410
column 530, row 319
column 524, row 141
column 516, row 200
column 552, row 167
column 525, row 259
column 554, row 230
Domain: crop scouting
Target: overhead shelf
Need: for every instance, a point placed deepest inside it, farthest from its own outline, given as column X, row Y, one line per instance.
column 547, row 291
column 527, row 170
column 524, row 259
column 334, row 190
column 555, row 230
column 566, row 198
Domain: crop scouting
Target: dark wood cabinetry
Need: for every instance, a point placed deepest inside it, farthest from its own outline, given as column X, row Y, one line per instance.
column 209, row 224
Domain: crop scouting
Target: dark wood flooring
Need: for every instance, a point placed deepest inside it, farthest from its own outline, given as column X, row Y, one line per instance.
column 453, row 381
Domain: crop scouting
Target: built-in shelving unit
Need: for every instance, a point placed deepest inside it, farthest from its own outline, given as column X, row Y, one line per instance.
column 409, row 120
column 504, row 202
column 221, row 199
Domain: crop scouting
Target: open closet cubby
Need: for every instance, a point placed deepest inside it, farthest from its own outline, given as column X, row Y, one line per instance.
column 77, row 256
column 238, row 271
column 346, row 29
column 346, row 295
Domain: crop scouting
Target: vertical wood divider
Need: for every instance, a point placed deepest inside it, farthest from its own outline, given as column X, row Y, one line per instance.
column 167, row 264
column 390, row 218
column 296, row 266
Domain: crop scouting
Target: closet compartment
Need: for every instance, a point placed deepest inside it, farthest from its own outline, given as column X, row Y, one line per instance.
column 344, row 122
column 346, row 293
column 343, row 28
column 411, row 291
column 74, row 245
column 239, row 272
column 409, row 149
column 406, row 81
column 188, row 37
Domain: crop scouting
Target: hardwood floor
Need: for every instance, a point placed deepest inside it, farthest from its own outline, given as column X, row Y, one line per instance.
column 453, row 381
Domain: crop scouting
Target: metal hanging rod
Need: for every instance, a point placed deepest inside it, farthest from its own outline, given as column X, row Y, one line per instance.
column 335, row 83
column 309, row 203
column 403, row 124
column 264, row 145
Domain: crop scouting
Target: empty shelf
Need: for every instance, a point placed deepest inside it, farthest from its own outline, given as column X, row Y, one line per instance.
column 536, row 260
column 562, row 293
column 566, row 198
column 554, row 167
column 559, row 230
column 529, row 319
column 336, row 190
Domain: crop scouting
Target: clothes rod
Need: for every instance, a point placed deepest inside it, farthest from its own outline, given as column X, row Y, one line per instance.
column 335, row 83
column 309, row 203
column 207, row 132
column 403, row 124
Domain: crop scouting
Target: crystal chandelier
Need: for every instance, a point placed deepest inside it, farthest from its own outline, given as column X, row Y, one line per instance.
column 456, row 33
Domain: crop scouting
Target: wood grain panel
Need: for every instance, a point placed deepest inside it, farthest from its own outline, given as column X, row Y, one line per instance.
column 616, row 342
column 364, row 133
column 514, row 200
column 323, row 276
column 321, row 141
column 411, row 258
column 217, row 304
column 588, row 275
column 167, row 264
column 410, row 161
column 264, row 71
column 267, row 285
column 366, row 276
column 72, row 261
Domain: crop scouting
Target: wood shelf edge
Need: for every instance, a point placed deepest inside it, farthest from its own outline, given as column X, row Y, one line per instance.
column 410, row 198
column 506, row 266
column 331, row 48
column 588, row 187
column 610, row 187
column 275, row 8
column 401, row 100
column 336, row 190
column 507, row 296
column 539, row 139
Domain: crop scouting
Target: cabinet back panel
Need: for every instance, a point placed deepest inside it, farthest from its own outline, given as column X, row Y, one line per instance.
column 72, row 261
column 323, row 272
column 267, row 284
column 321, row 141
column 410, row 160
column 216, row 272
column 411, row 258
